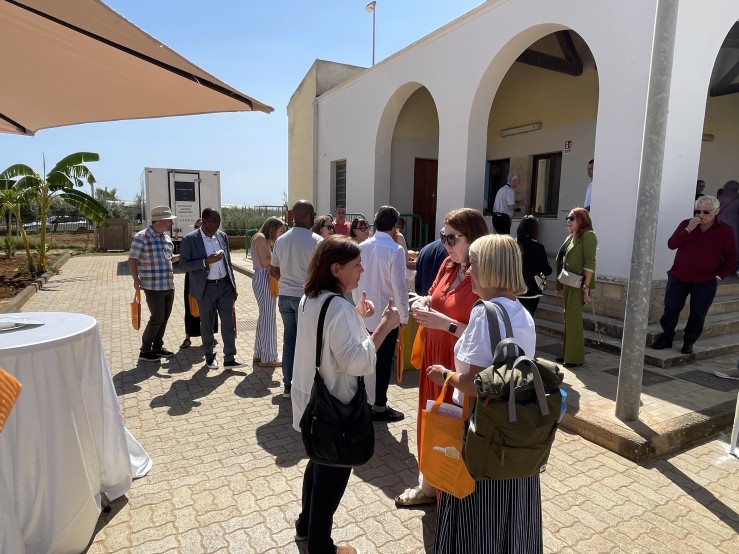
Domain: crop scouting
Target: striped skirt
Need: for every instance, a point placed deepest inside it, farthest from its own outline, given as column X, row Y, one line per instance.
column 500, row 517
column 265, row 341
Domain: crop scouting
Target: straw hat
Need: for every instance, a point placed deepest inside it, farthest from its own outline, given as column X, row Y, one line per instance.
column 161, row 212
column 10, row 388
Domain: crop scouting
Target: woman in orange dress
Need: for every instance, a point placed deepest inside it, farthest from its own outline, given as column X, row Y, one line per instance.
column 444, row 313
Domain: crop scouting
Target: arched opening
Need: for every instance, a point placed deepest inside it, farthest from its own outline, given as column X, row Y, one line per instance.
column 411, row 129
column 542, row 125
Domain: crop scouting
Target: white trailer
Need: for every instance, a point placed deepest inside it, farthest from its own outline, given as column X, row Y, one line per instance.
column 186, row 191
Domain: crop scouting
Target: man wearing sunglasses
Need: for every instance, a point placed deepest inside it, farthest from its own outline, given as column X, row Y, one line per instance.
column 706, row 254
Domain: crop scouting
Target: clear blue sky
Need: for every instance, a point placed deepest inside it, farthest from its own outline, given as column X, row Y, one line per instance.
column 261, row 48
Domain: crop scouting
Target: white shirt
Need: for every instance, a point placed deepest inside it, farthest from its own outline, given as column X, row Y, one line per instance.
column 384, row 277
column 588, row 191
column 216, row 270
column 348, row 352
column 473, row 347
column 504, row 198
column 292, row 253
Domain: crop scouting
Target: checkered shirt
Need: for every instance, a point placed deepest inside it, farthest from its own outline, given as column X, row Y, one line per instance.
column 154, row 253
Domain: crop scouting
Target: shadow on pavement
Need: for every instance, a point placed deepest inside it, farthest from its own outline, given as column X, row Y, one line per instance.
column 110, row 510
column 181, row 396
column 278, row 436
column 125, row 381
column 258, row 383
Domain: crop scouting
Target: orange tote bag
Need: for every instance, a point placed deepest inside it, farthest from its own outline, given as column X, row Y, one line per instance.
column 194, row 308
column 136, row 310
column 440, row 454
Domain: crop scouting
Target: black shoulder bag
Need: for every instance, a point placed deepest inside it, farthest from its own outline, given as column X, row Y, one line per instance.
column 336, row 434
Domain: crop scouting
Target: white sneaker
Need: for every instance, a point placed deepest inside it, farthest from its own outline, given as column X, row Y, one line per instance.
column 212, row 363
column 729, row 374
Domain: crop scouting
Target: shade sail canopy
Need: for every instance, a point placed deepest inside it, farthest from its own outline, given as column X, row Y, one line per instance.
column 77, row 61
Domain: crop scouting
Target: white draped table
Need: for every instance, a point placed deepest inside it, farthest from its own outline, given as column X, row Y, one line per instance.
column 65, row 442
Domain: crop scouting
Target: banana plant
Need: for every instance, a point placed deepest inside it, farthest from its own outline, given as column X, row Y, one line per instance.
column 62, row 182
column 11, row 201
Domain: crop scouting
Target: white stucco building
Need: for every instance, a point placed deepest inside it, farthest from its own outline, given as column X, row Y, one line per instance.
column 537, row 87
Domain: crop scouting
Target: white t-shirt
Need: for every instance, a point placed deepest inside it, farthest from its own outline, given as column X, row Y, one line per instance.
column 348, row 352
column 292, row 254
column 504, row 198
column 588, row 191
column 473, row 347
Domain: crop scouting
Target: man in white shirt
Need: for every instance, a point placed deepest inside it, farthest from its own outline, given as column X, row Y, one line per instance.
column 505, row 204
column 588, row 191
column 384, row 262
column 290, row 259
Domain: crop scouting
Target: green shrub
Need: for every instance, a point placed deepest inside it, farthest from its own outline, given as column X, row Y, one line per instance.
column 9, row 246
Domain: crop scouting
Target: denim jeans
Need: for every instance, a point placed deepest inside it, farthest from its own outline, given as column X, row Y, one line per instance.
column 288, row 306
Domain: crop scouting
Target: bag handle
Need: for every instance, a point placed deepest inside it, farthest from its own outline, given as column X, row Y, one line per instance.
column 538, row 389
column 137, row 296
column 440, row 399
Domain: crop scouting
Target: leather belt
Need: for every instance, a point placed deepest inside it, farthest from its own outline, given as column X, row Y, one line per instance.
column 217, row 280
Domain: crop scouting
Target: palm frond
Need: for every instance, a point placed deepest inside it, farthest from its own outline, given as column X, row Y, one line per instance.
column 91, row 208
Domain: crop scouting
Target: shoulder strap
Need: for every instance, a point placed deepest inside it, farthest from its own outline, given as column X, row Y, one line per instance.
column 321, row 318
column 498, row 343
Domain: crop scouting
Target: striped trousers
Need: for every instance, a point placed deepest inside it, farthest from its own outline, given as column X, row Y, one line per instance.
column 265, row 340
column 500, row 517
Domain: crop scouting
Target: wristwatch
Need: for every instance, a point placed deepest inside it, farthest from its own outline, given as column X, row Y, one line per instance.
column 453, row 327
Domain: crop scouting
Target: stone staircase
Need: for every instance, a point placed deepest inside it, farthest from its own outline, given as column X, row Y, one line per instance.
column 720, row 334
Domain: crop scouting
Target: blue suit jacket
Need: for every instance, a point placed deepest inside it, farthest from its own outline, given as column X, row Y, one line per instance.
column 192, row 254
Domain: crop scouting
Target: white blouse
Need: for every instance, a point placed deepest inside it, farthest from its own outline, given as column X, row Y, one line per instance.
column 348, row 352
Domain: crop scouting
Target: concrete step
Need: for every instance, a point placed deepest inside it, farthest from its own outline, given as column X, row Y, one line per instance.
column 706, row 347
column 715, row 325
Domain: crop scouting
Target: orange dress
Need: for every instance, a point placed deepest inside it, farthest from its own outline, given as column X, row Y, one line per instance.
column 439, row 346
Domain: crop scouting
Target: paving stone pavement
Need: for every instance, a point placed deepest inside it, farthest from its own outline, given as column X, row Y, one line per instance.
column 228, row 467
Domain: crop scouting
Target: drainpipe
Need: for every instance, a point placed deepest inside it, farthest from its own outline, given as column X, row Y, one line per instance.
column 645, row 230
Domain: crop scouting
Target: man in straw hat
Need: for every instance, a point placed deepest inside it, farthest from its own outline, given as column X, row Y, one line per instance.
column 150, row 261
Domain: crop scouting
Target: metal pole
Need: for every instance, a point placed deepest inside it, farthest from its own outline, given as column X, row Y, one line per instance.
column 645, row 229
column 371, row 8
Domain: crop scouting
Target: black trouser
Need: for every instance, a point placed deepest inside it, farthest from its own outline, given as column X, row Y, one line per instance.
column 701, row 298
column 384, row 367
column 323, row 487
column 530, row 304
column 502, row 223
column 160, row 306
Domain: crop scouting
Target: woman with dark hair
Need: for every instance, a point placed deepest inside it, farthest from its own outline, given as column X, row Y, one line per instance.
column 576, row 255
column 359, row 230
column 444, row 313
column 348, row 352
column 265, row 339
column 323, row 225
column 535, row 261
column 192, row 322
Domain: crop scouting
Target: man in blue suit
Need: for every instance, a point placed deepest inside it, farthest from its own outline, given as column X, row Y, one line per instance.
column 205, row 254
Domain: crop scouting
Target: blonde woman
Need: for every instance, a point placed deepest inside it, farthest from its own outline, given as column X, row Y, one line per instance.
column 265, row 341
column 502, row 515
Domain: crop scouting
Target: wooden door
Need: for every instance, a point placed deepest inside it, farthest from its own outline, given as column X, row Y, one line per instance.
column 424, row 198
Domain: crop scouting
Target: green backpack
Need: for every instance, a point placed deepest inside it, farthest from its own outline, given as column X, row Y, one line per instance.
column 509, row 436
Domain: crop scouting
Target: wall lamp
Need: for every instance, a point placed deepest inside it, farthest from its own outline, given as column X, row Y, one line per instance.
column 522, row 129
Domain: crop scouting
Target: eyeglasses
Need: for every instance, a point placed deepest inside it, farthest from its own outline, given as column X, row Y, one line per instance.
column 363, row 228
column 570, row 218
column 704, row 212
column 450, row 239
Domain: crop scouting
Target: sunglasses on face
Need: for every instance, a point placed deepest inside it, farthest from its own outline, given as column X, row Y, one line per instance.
column 570, row 218
column 363, row 228
column 704, row 212
column 450, row 239
column 329, row 227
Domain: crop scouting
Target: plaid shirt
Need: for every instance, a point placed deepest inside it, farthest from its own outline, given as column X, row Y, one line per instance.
column 154, row 253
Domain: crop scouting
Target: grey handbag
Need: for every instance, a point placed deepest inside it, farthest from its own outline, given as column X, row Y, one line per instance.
column 570, row 279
